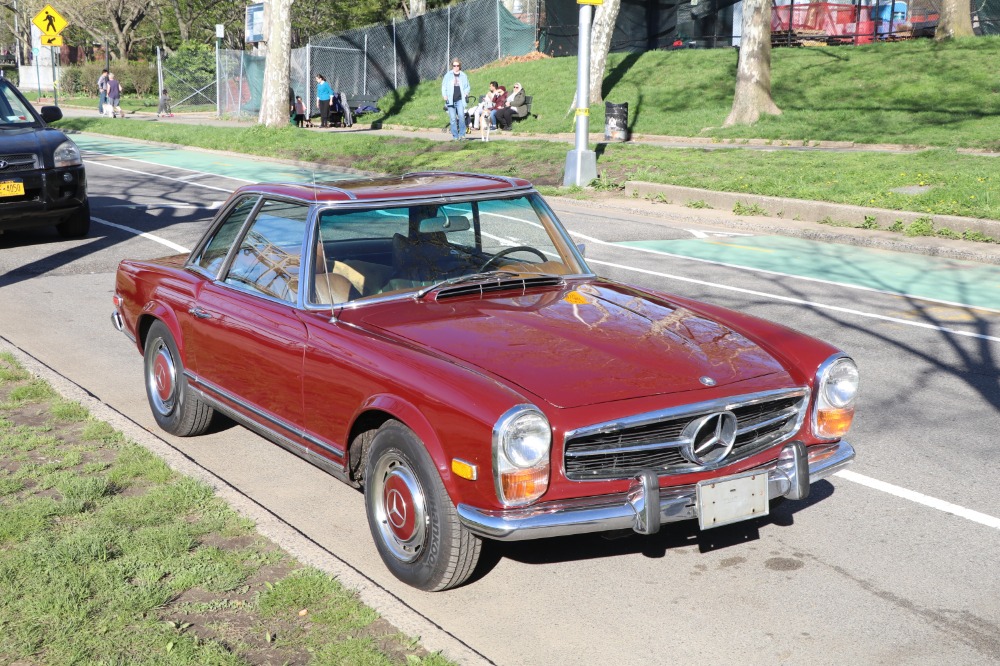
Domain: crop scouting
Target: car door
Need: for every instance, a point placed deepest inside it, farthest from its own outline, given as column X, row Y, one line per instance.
column 249, row 337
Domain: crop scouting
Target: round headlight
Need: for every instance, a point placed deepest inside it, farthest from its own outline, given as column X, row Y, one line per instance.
column 840, row 384
column 67, row 154
column 526, row 440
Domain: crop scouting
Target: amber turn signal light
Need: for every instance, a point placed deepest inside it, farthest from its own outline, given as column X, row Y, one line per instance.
column 521, row 484
column 464, row 469
column 832, row 422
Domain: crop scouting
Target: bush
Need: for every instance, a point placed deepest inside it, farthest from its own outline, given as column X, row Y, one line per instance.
column 71, row 81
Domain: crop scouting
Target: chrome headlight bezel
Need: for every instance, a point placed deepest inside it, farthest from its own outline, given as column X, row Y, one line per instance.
column 522, row 442
column 67, row 154
column 837, row 383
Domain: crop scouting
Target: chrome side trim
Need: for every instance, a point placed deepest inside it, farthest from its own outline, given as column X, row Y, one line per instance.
column 630, row 510
column 202, row 386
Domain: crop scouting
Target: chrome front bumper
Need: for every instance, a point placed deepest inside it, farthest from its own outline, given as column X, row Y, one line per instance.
column 790, row 476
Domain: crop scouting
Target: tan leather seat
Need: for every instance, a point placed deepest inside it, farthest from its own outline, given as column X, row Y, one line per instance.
column 332, row 288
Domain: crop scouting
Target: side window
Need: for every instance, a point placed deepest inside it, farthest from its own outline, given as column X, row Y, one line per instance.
column 268, row 259
column 214, row 253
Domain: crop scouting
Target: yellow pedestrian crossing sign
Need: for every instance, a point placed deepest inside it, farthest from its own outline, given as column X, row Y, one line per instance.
column 55, row 40
column 50, row 22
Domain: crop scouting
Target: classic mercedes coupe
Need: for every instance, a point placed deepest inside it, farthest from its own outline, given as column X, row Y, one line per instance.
column 438, row 340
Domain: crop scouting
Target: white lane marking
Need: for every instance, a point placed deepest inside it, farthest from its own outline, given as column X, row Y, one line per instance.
column 162, row 241
column 799, row 301
column 787, row 275
column 698, row 233
column 210, row 206
column 920, row 498
column 164, row 166
column 156, row 175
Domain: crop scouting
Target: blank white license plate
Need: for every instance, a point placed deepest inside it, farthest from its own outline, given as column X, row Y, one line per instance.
column 732, row 499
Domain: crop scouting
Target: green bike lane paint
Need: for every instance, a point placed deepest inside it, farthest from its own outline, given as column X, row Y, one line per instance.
column 941, row 279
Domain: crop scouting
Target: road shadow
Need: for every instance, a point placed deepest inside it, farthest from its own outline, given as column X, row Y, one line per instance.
column 672, row 536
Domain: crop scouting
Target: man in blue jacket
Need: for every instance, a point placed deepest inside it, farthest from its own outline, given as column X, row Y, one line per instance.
column 454, row 89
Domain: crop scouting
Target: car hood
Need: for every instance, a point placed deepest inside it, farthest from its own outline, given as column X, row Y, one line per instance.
column 29, row 139
column 572, row 347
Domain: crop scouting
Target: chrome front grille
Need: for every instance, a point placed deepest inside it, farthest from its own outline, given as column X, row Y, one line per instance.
column 654, row 441
column 19, row 162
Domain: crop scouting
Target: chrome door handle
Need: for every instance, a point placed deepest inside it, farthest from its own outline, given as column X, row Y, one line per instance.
column 200, row 313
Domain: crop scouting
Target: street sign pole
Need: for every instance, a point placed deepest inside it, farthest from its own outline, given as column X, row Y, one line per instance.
column 581, row 163
column 55, row 86
column 38, row 70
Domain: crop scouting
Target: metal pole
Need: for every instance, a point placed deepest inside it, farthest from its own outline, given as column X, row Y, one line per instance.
column 38, row 70
column 239, row 97
column 395, row 58
column 791, row 18
column 499, row 47
column 159, row 75
column 55, row 92
column 875, row 23
column 447, row 55
column 309, row 80
column 581, row 163
column 218, row 79
column 107, row 54
column 364, row 74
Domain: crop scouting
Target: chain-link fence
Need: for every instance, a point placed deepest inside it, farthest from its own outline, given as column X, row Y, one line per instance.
column 189, row 78
column 370, row 62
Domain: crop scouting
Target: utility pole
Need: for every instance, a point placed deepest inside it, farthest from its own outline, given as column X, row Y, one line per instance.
column 581, row 162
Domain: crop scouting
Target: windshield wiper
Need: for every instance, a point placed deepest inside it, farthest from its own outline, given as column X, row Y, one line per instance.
column 471, row 277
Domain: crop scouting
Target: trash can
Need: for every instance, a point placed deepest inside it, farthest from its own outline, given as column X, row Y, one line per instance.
column 615, row 121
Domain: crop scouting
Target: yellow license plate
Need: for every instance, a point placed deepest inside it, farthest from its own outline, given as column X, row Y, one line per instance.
column 11, row 188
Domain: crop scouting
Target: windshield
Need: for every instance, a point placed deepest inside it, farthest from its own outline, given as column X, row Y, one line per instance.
column 383, row 250
column 12, row 110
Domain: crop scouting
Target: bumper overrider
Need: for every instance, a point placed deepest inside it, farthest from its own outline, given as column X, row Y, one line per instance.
column 645, row 507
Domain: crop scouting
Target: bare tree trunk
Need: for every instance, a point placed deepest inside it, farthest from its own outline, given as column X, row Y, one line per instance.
column 274, row 103
column 600, row 44
column 417, row 8
column 955, row 20
column 753, row 73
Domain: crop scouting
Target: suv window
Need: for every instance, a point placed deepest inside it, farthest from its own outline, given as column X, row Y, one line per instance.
column 269, row 257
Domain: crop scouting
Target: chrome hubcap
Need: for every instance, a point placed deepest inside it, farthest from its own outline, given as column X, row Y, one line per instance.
column 161, row 376
column 400, row 511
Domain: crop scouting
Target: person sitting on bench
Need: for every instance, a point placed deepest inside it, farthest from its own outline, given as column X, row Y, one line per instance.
column 515, row 107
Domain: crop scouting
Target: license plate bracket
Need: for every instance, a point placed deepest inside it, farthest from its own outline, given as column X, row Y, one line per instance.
column 732, row 499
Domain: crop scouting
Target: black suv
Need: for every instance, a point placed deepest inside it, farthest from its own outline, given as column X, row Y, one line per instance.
column 42, row 180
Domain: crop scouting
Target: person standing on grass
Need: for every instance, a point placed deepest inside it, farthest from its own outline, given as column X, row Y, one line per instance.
column 164, row 108
column 323, row 94
column 114, row 97
column 454, row 89
column 102, row 91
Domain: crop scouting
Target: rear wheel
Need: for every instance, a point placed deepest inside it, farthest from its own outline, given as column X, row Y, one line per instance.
column 176, row 408
column 411, row 517
column 77, row 225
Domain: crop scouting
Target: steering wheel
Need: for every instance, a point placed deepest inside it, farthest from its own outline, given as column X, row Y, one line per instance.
column 511, row 250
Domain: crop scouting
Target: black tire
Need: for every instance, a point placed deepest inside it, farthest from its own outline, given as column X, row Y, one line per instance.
column 76, row 225
column 176, row 408
column 411, row 517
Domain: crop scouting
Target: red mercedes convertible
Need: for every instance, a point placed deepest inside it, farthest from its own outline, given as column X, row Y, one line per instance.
column 438, row 340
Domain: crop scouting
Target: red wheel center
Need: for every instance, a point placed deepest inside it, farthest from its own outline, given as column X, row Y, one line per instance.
column 162, row 377
column 399, row 508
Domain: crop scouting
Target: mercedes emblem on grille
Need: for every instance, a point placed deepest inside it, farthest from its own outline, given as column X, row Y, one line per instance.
column 4, row 164
column 710, row 438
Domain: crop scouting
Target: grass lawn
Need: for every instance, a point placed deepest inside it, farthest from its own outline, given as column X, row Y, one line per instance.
column 959, row 184
column 915, row 92
column 109, row 557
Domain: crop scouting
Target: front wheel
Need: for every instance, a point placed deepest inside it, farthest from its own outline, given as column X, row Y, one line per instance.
column 76, row 225
column 176, row 408
column 412, row 519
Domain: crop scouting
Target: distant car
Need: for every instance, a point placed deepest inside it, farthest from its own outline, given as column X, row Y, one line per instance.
column 439, row 340
column 42, row 178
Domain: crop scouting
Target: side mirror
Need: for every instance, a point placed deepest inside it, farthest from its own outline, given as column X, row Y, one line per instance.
column 50, row 114
column 582, row 249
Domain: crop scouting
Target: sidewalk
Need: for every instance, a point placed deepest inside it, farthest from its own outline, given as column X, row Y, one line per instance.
column 816, row 220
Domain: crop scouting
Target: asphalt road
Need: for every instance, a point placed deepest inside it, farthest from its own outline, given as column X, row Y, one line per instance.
column 894, row 561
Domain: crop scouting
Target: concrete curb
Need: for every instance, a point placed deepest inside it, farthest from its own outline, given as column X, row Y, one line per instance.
column 390, row 607
column 838, row 223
